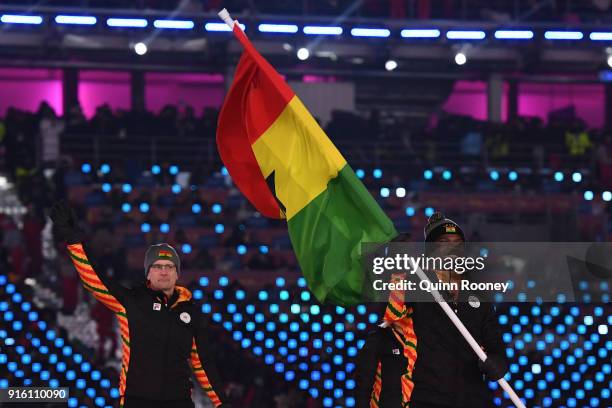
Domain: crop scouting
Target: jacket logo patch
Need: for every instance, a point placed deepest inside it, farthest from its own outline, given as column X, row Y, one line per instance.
column 156, row 306
column 396, row 351
column 474, row 302
column 185, row 317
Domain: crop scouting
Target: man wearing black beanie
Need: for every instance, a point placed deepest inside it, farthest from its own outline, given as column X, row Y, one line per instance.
column 161, row 327
column 417, row 358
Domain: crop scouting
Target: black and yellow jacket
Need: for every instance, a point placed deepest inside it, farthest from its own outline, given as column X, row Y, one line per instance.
column 160, row 337
column 423, row 361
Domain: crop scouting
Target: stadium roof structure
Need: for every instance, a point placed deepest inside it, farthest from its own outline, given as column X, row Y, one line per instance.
column 105, row 39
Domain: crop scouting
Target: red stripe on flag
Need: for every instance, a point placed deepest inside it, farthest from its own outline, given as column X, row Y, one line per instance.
column 234, row 143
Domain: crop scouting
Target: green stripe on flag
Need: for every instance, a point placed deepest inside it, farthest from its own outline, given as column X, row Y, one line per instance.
column 327, row 235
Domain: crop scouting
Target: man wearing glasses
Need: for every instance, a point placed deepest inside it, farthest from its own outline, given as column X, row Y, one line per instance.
column 162, row 331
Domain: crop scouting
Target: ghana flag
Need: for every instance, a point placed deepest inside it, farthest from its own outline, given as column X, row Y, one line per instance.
column 286, row 166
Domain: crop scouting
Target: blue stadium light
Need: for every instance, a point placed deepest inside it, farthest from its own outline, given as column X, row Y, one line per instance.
column 155, row 169
column 559, row 176
column 219, row 228
column 105, row 168
column 410, row 211
column 86, row 168
column 606, row 196
column 8, row 316
column 465, row 35
column 563, row 35
column 186, row 248
column 126, row 188
column 447, row 174
column 278, row 28
column 360, row 173
column 588, row 195
column 106, row 187
column 17, row 298
column 400, row 192
column 75, row 20
column 429, row 211
column 241, row 249
column 127, row 22
column 263, row 249
column 384, row 192
column 216, row 208
column 370, row 32
column 223, row 281
column 514, row 34
column 284, row 295
column 494, row 174
column 173, row 170
column 322, row 30
column 203, row 281
column 280, row 282
column 196, row 208
column 145, row 227
column 174, row 24
column 144, row 207
column 126, row 207
column 263, row 295
column 428, row 174
column 577, row 177
column 305, row 296
column 21, row 19
column 420, row 33
column 512, row 176
column 17, row 325
column 601, row 36
column 377, row 173
column 164, row 228
column 220, row 27
column 176, row 188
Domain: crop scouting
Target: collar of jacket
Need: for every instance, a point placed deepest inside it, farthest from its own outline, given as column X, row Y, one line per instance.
column 180, row 294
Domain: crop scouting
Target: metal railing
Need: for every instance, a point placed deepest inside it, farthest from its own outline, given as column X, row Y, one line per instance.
column 388, row 154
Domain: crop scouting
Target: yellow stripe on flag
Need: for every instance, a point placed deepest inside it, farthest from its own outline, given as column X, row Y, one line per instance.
column 301, row 155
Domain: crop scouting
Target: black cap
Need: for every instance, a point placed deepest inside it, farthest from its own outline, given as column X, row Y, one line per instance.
column 438, row 225
column 161, row 252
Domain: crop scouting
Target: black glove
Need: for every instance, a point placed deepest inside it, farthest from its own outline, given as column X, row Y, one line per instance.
column 494, row 367
column 225, row 405
column 65, row 223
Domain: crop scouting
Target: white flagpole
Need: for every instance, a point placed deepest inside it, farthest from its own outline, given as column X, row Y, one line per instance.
column 225, row 16
column 467, row 336
column 227, row 19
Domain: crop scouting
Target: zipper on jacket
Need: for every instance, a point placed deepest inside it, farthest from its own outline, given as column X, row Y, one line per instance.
column 165, row 353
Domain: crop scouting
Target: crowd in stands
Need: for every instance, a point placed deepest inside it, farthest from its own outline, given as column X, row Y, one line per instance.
column 564, row 143
column 44, row 169
column 587, row 11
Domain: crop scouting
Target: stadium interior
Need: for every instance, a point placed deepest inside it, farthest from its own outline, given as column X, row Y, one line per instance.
column 497, row 112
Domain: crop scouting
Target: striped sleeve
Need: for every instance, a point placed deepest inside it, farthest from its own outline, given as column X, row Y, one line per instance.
column 92, row 282
column 202, row 376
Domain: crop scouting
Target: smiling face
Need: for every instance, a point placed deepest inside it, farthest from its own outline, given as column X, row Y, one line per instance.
column 162, row 275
